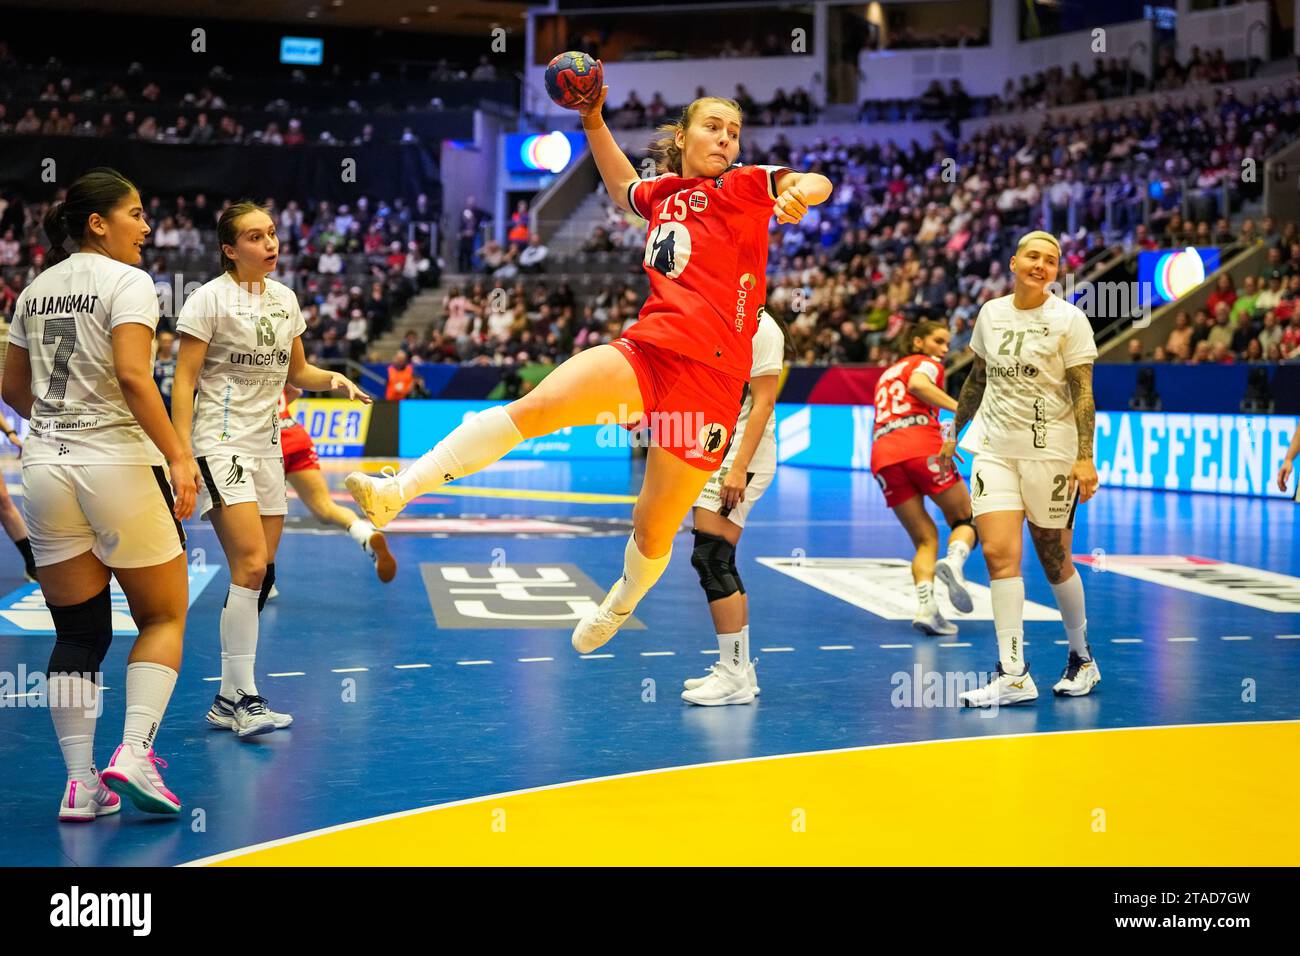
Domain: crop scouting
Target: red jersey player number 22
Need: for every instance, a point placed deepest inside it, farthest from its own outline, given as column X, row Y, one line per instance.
column 706, row 255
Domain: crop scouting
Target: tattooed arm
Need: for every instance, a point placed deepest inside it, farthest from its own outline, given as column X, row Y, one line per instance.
column 968, row 400
column 1084, row 472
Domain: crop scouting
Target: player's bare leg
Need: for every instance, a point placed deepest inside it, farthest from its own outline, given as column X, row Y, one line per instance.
column 596, row 386
column 954, row 502
column 12, row 520
column 1000, row 533
column 732, row 680
column 920, row 527
column 1053, row 546
column 670, row 488
column 315, row 494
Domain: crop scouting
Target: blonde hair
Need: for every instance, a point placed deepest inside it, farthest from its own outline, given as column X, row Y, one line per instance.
column 1038, row 234
column 668, row 157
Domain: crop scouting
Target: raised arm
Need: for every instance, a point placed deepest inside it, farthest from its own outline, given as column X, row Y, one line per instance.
column 615, row 169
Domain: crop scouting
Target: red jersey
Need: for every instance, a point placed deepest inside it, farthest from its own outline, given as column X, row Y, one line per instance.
column 706, row 255
column 286, row 420
column 906, row 427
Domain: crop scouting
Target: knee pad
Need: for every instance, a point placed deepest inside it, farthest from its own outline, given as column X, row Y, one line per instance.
column 268, row 580
column 83, row 634
column 954, row 525
column 714, row 559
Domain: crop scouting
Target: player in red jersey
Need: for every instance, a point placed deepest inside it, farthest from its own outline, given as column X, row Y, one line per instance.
column 302, row 469
column 681, row 369
column 905, row 460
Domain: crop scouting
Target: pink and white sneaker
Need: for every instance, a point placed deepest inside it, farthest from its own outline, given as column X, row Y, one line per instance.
column 82, row 803
column 134, row 774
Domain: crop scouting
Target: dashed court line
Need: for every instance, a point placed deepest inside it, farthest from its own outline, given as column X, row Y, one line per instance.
column 534, row 660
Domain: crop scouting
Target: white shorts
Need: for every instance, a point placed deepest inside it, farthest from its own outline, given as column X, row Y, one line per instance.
column 710, row 498
column 1038, row 488
column 238, row 479
column 121, row 513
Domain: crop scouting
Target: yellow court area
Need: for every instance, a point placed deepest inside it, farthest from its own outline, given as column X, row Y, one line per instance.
column 1211, row 795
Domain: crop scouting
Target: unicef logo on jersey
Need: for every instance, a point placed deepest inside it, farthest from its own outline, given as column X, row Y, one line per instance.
column 668, row 249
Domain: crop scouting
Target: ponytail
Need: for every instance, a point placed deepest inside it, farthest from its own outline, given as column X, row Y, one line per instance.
column 55, row 225
column 95, row 192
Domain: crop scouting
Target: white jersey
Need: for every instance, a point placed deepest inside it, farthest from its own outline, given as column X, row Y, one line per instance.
column 1027, row 412
column 250, row 338
column 769, row 350
column 65, row 321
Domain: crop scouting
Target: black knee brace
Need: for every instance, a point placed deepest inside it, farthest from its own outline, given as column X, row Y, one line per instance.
column 83, row 634
column 267, row 582
column 714, row 558
column 954, row 525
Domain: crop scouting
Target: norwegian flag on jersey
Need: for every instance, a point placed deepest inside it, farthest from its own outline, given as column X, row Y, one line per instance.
column 706, row 255
column 906, row 427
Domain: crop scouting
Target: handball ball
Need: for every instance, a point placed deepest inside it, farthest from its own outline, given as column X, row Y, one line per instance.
column 574, row 79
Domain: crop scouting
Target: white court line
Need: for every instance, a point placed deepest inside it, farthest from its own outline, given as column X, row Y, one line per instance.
column 1287, row 637
column 892, row 646
column 1182, row 640
column 1236, row 637
column 1062, row 643
column 210, row 679
column 471, row 663
column 958, row 644
column 30, row 693
column 658, row 653
column 595, row 657
column 346, row 670
column 1125, row 640
column 407, row 667
column 534, row 660
column 711, row 652
column 776, row 650
column 289, row 674
column 836, row 647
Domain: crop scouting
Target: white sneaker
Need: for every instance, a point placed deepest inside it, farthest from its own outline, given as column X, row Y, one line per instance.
column 272, row 594
column 693, row 682
column 928, row 620
column 222, row 714
column 380, row 499
column 1001, row 690
column 723, row 686
column 955, row 581
column 82, row 803
column 1079, row 677
column 597, row 627
column 376, row 547
column 253, row 717
column 134, row 773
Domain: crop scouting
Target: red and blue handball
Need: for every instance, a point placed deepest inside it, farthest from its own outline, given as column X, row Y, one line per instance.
column 574, row 80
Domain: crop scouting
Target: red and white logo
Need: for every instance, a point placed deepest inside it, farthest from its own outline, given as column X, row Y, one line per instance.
column 698, row 201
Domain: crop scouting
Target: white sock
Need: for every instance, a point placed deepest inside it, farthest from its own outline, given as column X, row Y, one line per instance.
column 360, row 532
column 958, row 552
column 744, row 646
column 148, row 689
column 731, row 650
column 639, row 576
column 471, row 446
column 1008, row 596
column 238, row 642
column 73, row 701
column 1069, row 599
column 925, row 594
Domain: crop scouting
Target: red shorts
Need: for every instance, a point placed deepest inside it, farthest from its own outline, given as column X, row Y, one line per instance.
column 299, row 452
column 904, row 480
column 690, row 409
